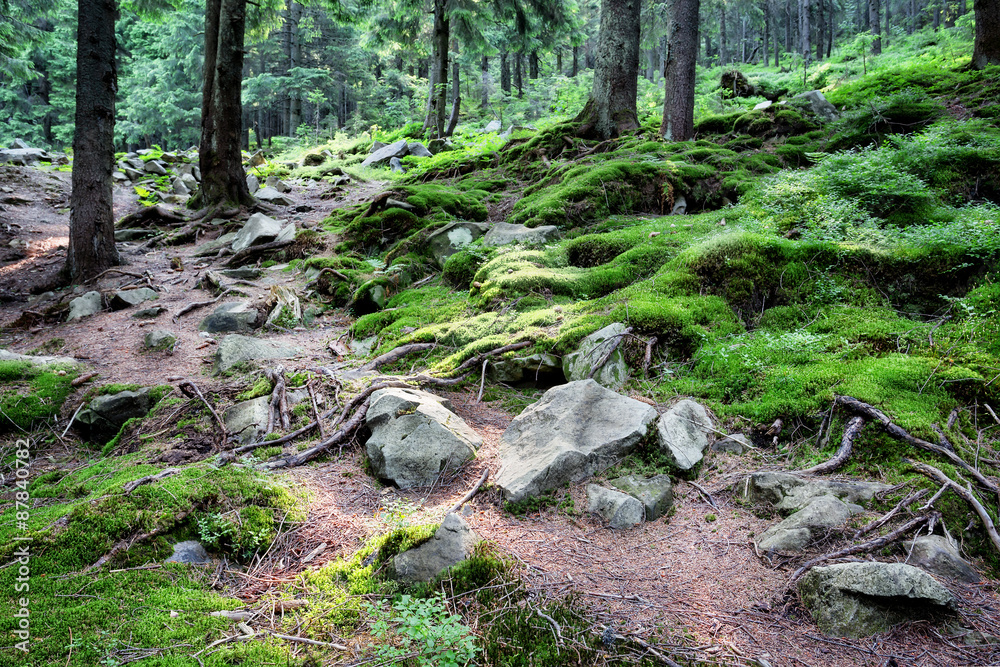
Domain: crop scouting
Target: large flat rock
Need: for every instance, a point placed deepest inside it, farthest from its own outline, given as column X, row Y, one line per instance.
column 236, row 349
column 786, row 491
column 683, row 433
column 575, row 430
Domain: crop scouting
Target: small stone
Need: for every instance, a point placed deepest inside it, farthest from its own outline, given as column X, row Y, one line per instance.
column 84, row 306
column 128, row 298
column 190, row 552
column 619, row 509
column 734, row 443
column 160, row 340
column 452, row 543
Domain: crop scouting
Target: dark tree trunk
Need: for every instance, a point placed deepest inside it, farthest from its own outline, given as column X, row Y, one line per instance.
column 986, row 50
column 505, row 72
column 788, row 25
column 519, row 74
column 91, row 221
column 438, row 112
column 820, row 30
column 294, row 60
column 874, row 21
column 533, row 65
column 576, row 61
column 222, row 178
column 804, row 36
column 559, row 69
column 678, row 72
column 611, row 108
column 286, row 50
column 485, row 94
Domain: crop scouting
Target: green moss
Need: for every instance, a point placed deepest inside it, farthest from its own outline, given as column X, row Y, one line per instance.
column 262, row 387
column 32, row 394
column 461, row 268
column 443, row 202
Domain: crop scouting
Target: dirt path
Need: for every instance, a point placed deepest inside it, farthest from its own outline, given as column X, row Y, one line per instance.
column 694, row 574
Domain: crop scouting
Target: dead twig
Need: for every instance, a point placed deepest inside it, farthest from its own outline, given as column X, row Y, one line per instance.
column 199, row 304
column 191, row 390
column 878, row 523
column 254, row 250
column 612, row 346
column 471, row 494
column 312, row 399
column 83, row 378
column 965, row 494
column 129, row 487
column 704, row 493
column 870, row 545
column 396, row 355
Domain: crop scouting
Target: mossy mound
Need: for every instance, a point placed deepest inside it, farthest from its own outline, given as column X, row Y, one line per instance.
column 32, row 394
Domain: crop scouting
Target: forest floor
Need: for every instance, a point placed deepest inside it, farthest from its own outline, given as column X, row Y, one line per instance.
column 693, row 577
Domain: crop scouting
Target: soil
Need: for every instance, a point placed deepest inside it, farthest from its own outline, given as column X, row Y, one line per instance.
column 691, row 584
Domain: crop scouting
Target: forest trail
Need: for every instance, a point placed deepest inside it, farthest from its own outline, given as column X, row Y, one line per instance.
column 694, row 576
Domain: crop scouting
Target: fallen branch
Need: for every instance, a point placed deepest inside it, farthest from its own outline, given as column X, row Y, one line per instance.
column 471, row 494
column 191, row 392
column 617, row 340
column 966, row 495
column 311, row 642
column 396, row 355
column 129, row 487
column 905, row 502
column 199, row 304
column 254, row 250
column 315, row 410
column 851, row 432
column 901, row 434
column 83, row 378
column 870, row 545
column 703, row 492
column 126, row 544
column 340, row 436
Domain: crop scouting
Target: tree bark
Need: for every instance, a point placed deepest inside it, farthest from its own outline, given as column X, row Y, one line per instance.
column 611, row 109
column 679, row 71
column 485, row 93
column 533, row 65
column 456, row 94
column 439, row 88
column 505, row 72
column 92, row 223
column 519, row 74
column 223, row 181
column 723, row 42
column 294, row 60
column 804, row 37
column 986, row 49
column 820, row 30
column 874, row 22
column 576, row 61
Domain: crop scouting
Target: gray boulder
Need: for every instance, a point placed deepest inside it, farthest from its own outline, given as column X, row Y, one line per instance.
column 287, row 233
column 248, row 419
column 132, row 174
column 575, row 430
column 154, row 167
column 119, row 177
column 149, row 313
column 24, row 156
column 258, row 229
column 619, row 509
column 819, row 105
column 376, row 145
column 813, row 522
column 396, row 165
column 272, row 196
column 440, row 145
column 159, row 339
column 418, row 149
column 493, row 126
column 19, row 143
column 939, row 555
column 451, row 238
column 190, row 181
column 416, row 437
column 592, row 350
column 180, row 187
column 105, row 415
column 683, row 432
column 535, row 368
column 211, row 248
column 452, row 543
column 84, row 306
column 502, row 233
column 734, row 443
column 127, row 298
column 786, row 491
column 385, row 153
column 236, row 349
column 277, row 184
column 253, row 183
column 656, row 493
column 189, row 552
column 36, row 360
column 862, row 599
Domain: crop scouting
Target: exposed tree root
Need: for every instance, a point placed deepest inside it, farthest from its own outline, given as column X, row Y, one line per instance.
column 851, row 432
column 136, row 483
column 966, row 495
column 126, row 544
column 396, row 355
column 255, row 250
column 471, row 494
column 191, row 390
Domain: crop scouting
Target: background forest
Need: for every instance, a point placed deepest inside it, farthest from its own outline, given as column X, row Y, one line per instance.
column 313, row 71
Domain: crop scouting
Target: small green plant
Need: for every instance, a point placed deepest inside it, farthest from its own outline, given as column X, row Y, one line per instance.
column 424, row 628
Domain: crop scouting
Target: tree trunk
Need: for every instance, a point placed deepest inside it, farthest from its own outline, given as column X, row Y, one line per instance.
column 485, row 94
column 456, row 93
column 986, row 50
column 294, row 60
column 91, row 222
column 723, row 42
column 874, row 20
column 533, row 65
column 788, row 25
column 820, row 30
column 438, row 113
column 576, row 61
column 286, row 50
column 611, row 109
column 519, row 74
column 505, row 72
column 222, row 177
column 678, row 72
column 559, row 69
column 804, row 36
